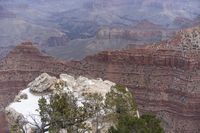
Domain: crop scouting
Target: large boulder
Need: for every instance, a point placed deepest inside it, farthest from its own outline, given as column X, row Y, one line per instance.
column 43, row 83
column 85, row 85
column 17, row 119
column 68, row 79
column 14, row 117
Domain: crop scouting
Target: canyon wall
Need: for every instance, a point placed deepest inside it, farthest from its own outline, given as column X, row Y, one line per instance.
column 164, row 77
column 143, row 32
column 163, row 82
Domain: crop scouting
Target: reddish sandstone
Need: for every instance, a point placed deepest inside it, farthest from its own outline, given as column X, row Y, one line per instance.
column 165, row 78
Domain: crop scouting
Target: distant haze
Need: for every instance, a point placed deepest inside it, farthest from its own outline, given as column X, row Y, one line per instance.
column 39, row 20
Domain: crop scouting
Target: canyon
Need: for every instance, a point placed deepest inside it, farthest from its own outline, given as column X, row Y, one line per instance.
column 109, row 38
column 163, row 77
column 61, row 27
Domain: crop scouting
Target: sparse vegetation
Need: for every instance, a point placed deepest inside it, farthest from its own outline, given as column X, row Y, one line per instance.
column 62, row 112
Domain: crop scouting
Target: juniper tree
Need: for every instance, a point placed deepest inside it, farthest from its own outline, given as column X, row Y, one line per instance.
column 95, row 102
column 124, row 116
column 64, row 113
column 120, row 101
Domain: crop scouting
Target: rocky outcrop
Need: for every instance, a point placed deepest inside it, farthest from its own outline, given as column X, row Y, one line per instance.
column 20, row 67
column 42, row 83
column 14, row 117
column 24, row 112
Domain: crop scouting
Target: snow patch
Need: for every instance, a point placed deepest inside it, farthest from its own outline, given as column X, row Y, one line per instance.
column 28, row 107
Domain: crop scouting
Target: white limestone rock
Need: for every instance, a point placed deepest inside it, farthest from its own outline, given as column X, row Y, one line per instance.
column 26, row 103
column 85, row 85
column 42, row 83
column 14, row 117
column 69, row 80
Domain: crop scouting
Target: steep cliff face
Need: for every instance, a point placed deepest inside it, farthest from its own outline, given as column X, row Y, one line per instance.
column 163, row 81
column 19, row 67
column 163, row 77
column 143, row 32
column 22, row 65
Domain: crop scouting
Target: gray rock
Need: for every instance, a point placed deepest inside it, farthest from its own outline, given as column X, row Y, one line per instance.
column 14, row 117
column 42, row 83
column 21, row 96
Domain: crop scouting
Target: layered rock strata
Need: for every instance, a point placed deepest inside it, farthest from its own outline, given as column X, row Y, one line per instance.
column 163, row 77
column 141, row 33
column 163, row 81
column 22, row 65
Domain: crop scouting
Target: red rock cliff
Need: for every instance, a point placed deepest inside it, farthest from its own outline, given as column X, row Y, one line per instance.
column 21, row 66
column 165, row 78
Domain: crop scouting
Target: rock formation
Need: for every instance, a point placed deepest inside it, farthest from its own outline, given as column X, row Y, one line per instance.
column 42, row 83
column 143, row 32
column 163, row 77
column 23, row 112
column 20, row 67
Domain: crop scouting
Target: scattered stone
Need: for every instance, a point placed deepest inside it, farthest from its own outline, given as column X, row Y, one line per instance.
column 20, row 96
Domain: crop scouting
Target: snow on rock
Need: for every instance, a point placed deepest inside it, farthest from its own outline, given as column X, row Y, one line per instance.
column 20, row 96
column 25, row 106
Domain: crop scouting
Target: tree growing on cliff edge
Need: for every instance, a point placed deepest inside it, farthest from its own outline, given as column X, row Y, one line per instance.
column 121, row 101
column 125, row 116
column 117, row 108
column 147, row 123
column 95, row 102
column 63, row 113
